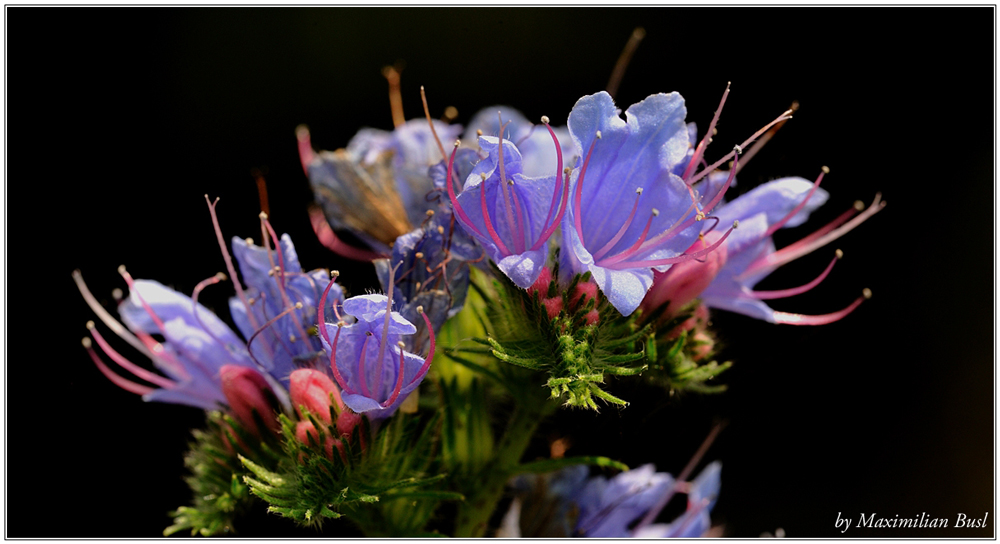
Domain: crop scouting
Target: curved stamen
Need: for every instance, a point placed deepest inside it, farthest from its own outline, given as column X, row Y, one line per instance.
column 229, row 261
column 755, row 148
column 634, row 247
column 621, row 232
column 486, row 217
column 149, row 310
column 520, row 216
column 361, row 366
column 563, row 205
column 725, row 187
column 135, row 369
column 790, row 253
column 427, row 114
column 110, row 321
column 519, row 238
column 673, row 260
column 385, row 327
column 697, row 177
column 707, row 138
column 840, row 220
column 194, row 304
column 320, row 311
column 784, row 318
column 298, row 305
column 579, row 189
column 430, row 352
column 333, row 361
column 451, row 193
column 127, row 385
column 281, row 268
column 773, row 228
column 769, row 295
column 561, row 187
column 330, row 240
column 399, row 379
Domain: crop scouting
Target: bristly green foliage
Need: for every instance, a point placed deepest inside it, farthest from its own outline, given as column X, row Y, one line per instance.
column 382, row 484
column 219, row 493
column 678, row 359
column 576, row 355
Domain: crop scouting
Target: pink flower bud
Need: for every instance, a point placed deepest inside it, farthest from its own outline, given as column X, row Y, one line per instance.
column 541, row 285
column 684, row 281
column 582, row 292
column 592, row 317
column 305, row 429
column 313, row 390
column 247, row 391
column 553, row 306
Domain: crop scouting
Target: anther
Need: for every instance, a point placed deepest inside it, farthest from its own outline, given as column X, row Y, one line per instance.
column 263, row 215
column 334, row 273
column 638, row 190
column 116, row 294
column 483, row 176
column 430, row 213
column 86, row 343
column 656, row 212
column 298, row 305
column 369, row 333
column 401, row 344
column 249, row 241
column 90, row 325
column 251, row 300
column 420, row 309
column 479, row 132
column 858, row 205
column 839, row 254
column 440, row 229
column 291, row 338
column 270, row 272
column 340, row 324
column 121, row 269
column 545, row 119
column 825, row 169
column 450, row 113
column 736, row 224
column 598, row 135
column 510, row 182
column 567, row 170
column 866, row 292
column 737, row 149
column 221, row 277
column 419, row 254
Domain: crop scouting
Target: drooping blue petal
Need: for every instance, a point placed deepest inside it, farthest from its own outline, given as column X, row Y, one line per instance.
column 607, row 507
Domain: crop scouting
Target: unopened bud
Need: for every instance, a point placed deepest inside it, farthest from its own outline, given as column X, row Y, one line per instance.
column 247, row 392
column 312, row 389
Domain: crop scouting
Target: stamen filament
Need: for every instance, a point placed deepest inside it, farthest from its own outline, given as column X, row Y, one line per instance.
column 486, row 218
column 385, row 327
column 306, row 153
column 399, row 380
column 697, row 177
column 331, row 241
column 135, row 369
column 579, row 190
column 127, row 385
column 783, row 293
column 333, row 361
column 563, row 205
column 194, row 304
column 703, row 144
column 361, row 366
column 108, row 320
column 427, row 114
column 790, row 253
column 672, row 260
column 229, row 261
column 451, row 194
column 755, row 148
column 621, row 232
column 544, row 236
column 773, row 228
column 784, row 318
column 725, row 187
column 519, row 238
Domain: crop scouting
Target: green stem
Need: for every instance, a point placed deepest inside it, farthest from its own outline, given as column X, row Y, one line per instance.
column 480, row 503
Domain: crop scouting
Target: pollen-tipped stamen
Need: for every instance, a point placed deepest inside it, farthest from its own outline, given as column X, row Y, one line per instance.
column 507, row 200
column 194, row 303
column 621, row 232
column 127, row 385
column 562, row 187
column 110, row 321
column 699, row 152
column 286, row 300
column 578, row 194
column 783, row 293
column 774, row 228
column 385, row 326
column 794, row 251
column 486, row 219
column 672, row 260
column 427, row 114
column 135, row 369
column 725, row 187
column 635, row 246
column 785, row 318
column 756, row 147
column 711, row 168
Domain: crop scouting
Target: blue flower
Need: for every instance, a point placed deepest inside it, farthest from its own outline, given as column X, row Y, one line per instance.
column 532, row 140
column 368, row 359
column 695, row 521
column 512, row 216
column 631, row 212
column 749, row 254
column 607, row 507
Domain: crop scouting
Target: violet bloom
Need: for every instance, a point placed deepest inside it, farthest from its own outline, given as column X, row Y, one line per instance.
column 727, row 278
column 511, row 215
column 368, row 359
column 634, row 208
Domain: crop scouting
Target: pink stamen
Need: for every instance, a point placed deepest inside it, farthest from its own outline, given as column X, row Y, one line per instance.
column 330, row 240
column 769, row 295
column 110, row 321
column 399, row 380
column 160, row 355
column 800, row 319
column 194, row 303
column 725, row 187
column 840, row 220
column 697, row 177
column 333, row 361
column 790, row 253
column 264, row 328
column 519, row 229
column 135, row 369
column 131, row 286
column 621, row 232
column 427, row 114
column 672, row 260
column 520, row 218
column 229, row 260
column 579, row 190
column 320, row 312
column 127, row 385
column 385, row 327
column 700, row 150
column 361, row 366
column 773, row 228
column 281, row 269
column 451, row 193
column 489, row 223
column 306, row 153
column 674, row 230
column 430, row 352
column 548, row 228
column 634, row 247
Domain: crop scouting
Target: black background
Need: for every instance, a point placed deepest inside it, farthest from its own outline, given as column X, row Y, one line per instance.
column 119, row 120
